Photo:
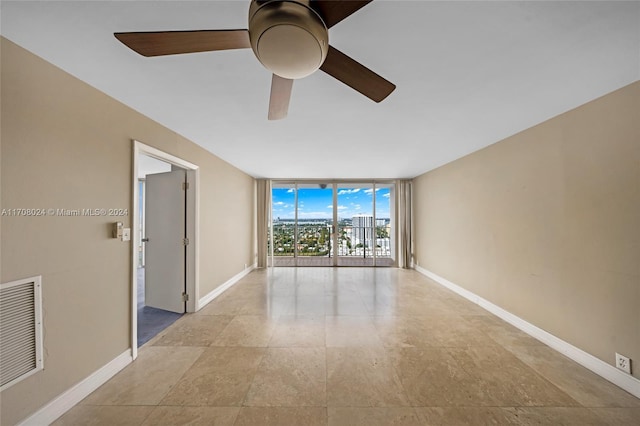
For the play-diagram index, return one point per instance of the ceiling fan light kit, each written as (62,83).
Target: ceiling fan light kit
(290,38)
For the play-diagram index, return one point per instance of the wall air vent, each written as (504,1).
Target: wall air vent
(20,330)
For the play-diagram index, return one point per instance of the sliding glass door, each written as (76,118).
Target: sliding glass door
(384,228)
(315,224)
(332,224)
(355,224)
(283,227)
(302,224)
(365,224)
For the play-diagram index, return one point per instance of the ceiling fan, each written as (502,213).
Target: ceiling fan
(289,37)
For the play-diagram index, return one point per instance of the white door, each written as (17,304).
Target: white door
(164,241)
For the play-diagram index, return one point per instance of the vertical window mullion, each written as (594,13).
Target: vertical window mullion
(295,226)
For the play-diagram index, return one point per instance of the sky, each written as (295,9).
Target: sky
(317,203)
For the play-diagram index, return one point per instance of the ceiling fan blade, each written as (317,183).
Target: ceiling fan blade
(157,43)
(280,96)
(334,11)
(356,75)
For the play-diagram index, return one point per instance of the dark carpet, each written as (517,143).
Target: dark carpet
(151,321)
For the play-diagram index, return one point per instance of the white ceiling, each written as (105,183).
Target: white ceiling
(467,73)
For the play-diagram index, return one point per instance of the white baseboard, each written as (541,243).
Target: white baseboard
(601,368)
(224,287)
(65,401)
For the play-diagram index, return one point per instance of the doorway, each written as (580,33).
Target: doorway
(164,211)
(164,241)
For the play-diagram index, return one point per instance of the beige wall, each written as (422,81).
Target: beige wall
(67,145)
(546,224)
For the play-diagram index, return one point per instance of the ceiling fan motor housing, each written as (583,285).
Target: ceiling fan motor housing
(288,37)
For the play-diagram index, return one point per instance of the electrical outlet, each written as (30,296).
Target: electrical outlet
(623,363)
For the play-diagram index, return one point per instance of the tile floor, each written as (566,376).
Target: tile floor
(350,346)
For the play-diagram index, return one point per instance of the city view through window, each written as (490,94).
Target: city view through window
(323,224)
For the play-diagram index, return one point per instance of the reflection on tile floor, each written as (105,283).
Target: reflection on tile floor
(350,346)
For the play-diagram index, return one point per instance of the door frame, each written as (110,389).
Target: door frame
(193,227)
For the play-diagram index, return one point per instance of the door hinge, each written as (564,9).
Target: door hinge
(185,185)
(185,297)
(185,241)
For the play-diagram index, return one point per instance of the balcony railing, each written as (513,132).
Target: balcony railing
(317,242)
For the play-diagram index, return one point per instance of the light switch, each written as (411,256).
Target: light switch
(126,234)
(117,230)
